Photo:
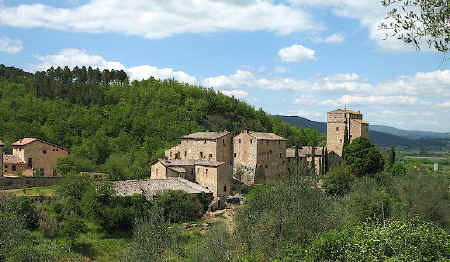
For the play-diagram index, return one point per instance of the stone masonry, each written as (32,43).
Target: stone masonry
(342,127)
(259,157)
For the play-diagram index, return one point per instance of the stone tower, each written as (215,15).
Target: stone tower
(342,127)
(1,157)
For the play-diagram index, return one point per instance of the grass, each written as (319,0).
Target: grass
(427,163)
(31,192)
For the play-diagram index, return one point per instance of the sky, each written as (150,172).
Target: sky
(289,57)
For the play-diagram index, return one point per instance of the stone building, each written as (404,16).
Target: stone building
(315,157)
(259,157)
(32,156)
(215,146)
(213,175)
(151,188)
(342,127)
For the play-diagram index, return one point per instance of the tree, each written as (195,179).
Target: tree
(363,157)
(391,157)
(338,180)
(179,206)
(416,20)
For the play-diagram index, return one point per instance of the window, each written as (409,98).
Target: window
(14,168)
(210,155)
(224,188)
(337,128)
(198,170)
(223,141)
(279,142)
(42,171)
(207,171)
(185,153)
(44,152)
(201,154)
(340,140)
(270,151)
(251,141)
(235,155)
(280,155)
(6,166)
(266,166)
(170,154)
(204,142)
(239,140)
(30,163)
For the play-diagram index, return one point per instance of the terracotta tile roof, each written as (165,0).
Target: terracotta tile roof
(153,187)
(189,162)
(12,159)
(206,135)
(265,136)
(28,140)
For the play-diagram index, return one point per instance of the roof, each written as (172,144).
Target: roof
(152,187)
(206,135)
(265,136)
(189,162)
(178,169)
(28,140)
(12,159)
(345,111)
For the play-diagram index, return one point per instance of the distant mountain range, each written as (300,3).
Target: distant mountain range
(383,135)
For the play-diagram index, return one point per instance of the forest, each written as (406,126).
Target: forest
(369,206)
(110,125)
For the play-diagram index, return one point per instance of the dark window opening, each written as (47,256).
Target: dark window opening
(280,155)
(14,168)
(6,166)
(251,141)
(41,171)
(207,171)
(337,128)
(210,155)
(235,154)
(223,141)
(44,152)
(266,166)
(224,188)
(239,140)
(201,154)
(185,153)
(204,141)
(30,163)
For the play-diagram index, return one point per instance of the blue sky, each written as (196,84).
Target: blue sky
(291,57)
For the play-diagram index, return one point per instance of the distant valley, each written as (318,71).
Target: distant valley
(385,136)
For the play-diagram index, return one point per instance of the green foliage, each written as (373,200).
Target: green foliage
(152,236)
(395,241)
(178,206)
(390,161)
(119,128)
(23,207)
(11,229)
(414,21)
(363,157)
(338,180)
(398,169)
(289,211)
(72,227)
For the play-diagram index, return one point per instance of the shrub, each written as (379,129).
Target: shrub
(363,157)
(178,206)
(398,169)
(23,207)
(338,180)
(395,241)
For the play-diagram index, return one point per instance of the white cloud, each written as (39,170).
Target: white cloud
(306,114)
(306,100)
(281,69)
(159,19)
(10,46)
(335,83)
(374,100)
(334,38)
(235,93)
(78,57)
(296,53)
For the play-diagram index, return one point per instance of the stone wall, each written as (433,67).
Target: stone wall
(7,183)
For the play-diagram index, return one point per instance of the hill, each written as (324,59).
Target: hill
(117,127)
(384,139)
(411,134)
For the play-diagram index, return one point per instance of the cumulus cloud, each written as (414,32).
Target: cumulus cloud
(159,19)
(10,46)
(335,83)
(296,53)
(334,38)
(72,57)
(374,100)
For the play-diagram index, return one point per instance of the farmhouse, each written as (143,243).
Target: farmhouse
(32,157)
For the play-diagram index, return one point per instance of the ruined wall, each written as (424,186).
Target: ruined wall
(39,156)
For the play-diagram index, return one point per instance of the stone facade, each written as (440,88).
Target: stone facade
(342,127)
(31,156)
(213,175)
(259,157)
(215,146)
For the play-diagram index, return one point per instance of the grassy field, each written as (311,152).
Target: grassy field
(427,162)
(31,192)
